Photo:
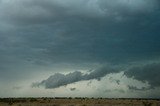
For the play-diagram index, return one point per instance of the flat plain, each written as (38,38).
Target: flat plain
(78,102)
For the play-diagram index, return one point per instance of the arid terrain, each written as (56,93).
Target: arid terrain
(77,102)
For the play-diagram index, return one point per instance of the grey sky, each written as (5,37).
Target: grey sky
(39,38)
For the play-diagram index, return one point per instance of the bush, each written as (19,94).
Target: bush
(147,104)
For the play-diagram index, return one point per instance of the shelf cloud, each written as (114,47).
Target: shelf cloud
(147,73)
(58,80)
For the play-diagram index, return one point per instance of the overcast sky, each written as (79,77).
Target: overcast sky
(87,48)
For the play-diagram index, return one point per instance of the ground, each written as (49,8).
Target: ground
(77,102)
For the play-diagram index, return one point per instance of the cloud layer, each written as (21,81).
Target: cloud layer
(58,80)
(147,73)
(101,31)
(38,33)
(59,36)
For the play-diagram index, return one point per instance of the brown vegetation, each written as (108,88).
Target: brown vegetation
(77,102)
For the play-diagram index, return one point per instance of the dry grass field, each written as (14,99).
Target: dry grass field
(77,102)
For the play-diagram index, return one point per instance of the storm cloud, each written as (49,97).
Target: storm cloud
(58,80)
(147,73)
(101,31)
(60,36)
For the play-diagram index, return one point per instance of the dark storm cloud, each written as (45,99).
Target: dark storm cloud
(72,89)
(38,33)
(58,80)
(147,73)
